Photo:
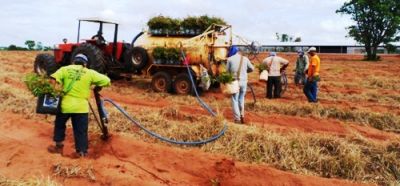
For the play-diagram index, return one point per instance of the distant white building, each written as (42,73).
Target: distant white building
(331,48)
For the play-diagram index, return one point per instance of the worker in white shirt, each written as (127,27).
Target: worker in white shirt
(275,65)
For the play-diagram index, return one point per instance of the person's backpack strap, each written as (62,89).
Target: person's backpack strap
(240,67)
(269,67)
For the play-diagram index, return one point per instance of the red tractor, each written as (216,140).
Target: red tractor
(111,58)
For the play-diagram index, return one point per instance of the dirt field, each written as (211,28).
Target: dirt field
(352,137)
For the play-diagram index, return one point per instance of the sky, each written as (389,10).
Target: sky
(49,21)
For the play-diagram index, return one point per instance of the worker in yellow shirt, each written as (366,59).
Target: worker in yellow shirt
(311,87)
(76,80)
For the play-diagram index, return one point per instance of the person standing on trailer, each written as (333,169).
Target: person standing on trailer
(275,65)
(77,79)
(239,65)
(311,87)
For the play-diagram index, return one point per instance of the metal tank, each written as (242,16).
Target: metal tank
(209,49)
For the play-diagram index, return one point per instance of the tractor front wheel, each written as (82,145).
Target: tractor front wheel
(45,64)
(161,82)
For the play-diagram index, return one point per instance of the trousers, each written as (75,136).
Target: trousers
(80,127)
(311,90)
(274,85)
(237,101)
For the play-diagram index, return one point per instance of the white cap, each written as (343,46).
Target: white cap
(81,57)
(312,49)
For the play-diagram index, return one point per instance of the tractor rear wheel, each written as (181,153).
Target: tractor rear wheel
(138,58)
(161,82)
(96,60)
(45,64)
(182,84)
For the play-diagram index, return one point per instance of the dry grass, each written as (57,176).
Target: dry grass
(382,121)
(381,83)
(327,156)
(371,96)
(28,182)
(353,158)
(74,171)
(16,101)
(162,122)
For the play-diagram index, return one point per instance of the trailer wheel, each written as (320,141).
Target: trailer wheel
(45,64)
(95,56)
(182,84)
(161,82)
(139,58)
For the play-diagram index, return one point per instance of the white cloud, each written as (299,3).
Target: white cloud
(330,26)
(49,21)
(108,13)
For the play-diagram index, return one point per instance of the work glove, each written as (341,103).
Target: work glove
(97,88)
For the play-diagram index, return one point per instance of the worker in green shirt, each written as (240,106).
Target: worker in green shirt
(76,81)
(301,68)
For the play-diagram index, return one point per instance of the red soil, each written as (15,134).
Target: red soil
(124,161)
(268,121)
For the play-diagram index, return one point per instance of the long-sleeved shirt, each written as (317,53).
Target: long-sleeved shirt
(302,64)
(233,66)
(274,64)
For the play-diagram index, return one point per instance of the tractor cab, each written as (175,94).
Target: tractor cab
(98,38)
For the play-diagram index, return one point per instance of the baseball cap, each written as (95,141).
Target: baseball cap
(233,50)
(81,58)
(312,49)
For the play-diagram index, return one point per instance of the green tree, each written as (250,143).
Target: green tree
(282,37)
(47,48)
(15,47)
(376,22)
(12,47)
(391,48)
(30,44)
(39,46)
(286,38)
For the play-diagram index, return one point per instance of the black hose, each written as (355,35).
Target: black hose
(135,38)
(169,140)
(158,136)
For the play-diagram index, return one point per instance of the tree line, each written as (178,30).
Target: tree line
(287,38)
(29,45)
